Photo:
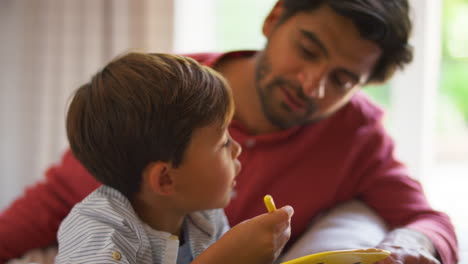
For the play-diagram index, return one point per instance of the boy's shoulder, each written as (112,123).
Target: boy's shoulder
(204,228)
(209,220)
(103,225)
(106,205)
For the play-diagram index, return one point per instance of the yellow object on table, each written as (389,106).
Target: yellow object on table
(352,256)
(362,256)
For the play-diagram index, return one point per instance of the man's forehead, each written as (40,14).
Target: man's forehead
(337,34)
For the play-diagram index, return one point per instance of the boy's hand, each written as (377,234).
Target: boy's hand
(257,240)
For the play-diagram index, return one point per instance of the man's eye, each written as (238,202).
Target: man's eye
(307,53)
(343,83)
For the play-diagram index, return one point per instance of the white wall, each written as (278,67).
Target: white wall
(48,48)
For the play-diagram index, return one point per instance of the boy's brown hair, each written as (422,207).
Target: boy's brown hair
(142,108)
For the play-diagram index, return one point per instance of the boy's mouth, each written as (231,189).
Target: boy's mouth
(233,193)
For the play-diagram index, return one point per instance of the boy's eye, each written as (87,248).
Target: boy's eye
(227,143)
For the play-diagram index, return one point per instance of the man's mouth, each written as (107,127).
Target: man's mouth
(292,101)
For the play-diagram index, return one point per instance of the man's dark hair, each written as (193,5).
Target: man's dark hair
(385,22)
(143,108)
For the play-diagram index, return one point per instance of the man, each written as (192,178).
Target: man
(309,137)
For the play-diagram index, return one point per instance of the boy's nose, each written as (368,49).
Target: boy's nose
(236,149)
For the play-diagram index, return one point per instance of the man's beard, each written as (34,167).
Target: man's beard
(265,93)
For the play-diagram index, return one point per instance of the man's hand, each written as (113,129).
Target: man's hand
(258,240)
(408,247)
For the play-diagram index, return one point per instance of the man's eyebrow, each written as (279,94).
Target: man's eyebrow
(312,37)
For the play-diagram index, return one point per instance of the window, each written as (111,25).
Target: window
(446,184)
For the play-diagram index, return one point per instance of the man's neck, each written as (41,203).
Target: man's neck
(240,73)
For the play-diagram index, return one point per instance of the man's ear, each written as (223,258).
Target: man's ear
(272,19)
(159,179)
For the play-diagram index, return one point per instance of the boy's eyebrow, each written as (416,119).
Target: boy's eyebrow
(313,38)
(222,126)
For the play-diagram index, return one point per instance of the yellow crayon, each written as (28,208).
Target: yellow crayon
(362,256)
(269,203)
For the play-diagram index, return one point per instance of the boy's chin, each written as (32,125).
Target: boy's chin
(228,199)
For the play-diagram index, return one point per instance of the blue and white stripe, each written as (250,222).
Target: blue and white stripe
(104,228)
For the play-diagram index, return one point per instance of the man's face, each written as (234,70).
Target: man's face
(311,66)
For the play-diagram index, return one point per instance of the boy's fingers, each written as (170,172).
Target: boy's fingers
(284,213)
(288,209)
(281,218)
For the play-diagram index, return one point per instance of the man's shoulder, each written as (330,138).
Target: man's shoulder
(361,111)
(205,58)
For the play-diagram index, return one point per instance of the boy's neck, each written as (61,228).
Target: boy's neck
(159,215)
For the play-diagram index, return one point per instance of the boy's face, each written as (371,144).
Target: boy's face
(312,65)
(206,177)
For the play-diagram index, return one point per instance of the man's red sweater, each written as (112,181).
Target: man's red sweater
(312,168)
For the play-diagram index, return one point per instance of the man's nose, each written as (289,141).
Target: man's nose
(313,81)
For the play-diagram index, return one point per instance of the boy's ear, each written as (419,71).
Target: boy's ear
(159,179)
(272,19)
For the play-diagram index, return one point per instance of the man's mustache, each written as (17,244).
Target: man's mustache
(296,89)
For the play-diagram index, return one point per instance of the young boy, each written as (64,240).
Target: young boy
(153,130)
